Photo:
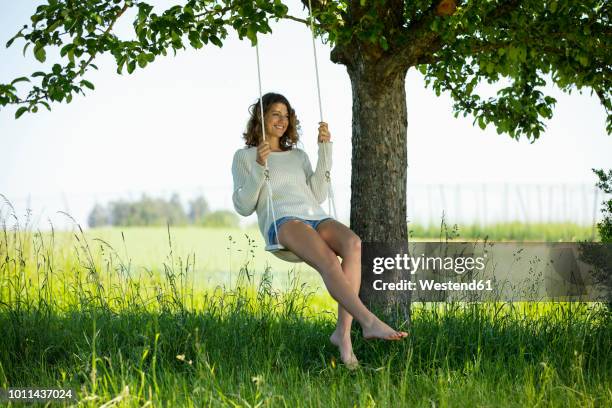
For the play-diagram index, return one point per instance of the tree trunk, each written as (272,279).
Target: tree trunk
(378,182)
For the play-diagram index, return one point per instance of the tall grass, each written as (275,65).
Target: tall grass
(74,317)
(507,231)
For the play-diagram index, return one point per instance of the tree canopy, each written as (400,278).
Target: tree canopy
(456,44)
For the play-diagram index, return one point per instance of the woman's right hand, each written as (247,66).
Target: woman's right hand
(263,151)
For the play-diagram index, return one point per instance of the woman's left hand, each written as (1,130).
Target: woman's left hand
(324,135)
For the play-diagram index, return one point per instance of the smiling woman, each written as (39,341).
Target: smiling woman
(280,119)
(275,179)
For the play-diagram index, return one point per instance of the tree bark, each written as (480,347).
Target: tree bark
(379,161)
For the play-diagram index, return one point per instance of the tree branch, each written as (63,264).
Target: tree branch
(418,40)
(316,5)
(220,11)
(428,54)
(299,20)
(108,30)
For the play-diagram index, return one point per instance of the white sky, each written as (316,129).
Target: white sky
(175,125)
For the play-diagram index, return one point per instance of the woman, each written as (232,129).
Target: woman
(303,227)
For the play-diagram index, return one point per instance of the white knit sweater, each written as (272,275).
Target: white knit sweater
(296,189)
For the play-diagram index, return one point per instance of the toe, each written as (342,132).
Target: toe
(353,365)
(400,335)
(392,337)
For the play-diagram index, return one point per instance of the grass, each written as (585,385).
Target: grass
(507,231)
(141,329)
(220,252)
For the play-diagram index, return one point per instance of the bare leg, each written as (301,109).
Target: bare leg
(306,243)
(347,245)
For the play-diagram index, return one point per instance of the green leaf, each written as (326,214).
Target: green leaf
(20,79)
(194,39)
(435,25)
(215,40)
(20,112)
(482,123)
(512,53)
(131,66)
(39,53)
(120,63)
(553,6)
(142,61)
(87,84)
(251,35)
(469,88)
(53,26)
(10,42)
(65,49)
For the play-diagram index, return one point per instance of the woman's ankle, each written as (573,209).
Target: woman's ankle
(342,331)
(368,321)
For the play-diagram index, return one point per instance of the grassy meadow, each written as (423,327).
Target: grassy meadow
(138,317)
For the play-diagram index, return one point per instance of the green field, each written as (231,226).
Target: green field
(507,231)
(192,318)
(215,256)
(218,254)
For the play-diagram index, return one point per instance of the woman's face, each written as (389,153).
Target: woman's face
(277,120)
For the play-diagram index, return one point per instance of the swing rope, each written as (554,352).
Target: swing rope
(314,51)
(331,203)
(270,201)
(263,133)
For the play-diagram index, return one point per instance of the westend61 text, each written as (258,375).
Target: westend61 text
(404,284)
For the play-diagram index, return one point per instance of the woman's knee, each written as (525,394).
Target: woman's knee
(353,244)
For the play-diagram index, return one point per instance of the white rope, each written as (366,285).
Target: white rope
(330,199)
(263,133)
(314,51)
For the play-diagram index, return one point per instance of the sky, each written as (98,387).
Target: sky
(174,126)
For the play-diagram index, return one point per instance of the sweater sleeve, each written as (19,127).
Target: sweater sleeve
(317,180)
(248,180)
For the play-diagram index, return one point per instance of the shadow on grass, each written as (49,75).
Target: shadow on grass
(241,340)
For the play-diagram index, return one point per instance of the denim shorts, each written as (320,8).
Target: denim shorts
(272,233)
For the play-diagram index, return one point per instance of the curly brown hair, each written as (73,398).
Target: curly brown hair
(253,135)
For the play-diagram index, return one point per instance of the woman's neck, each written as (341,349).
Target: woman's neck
(274,144)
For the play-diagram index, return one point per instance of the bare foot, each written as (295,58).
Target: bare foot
(346,349)
(380,330)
